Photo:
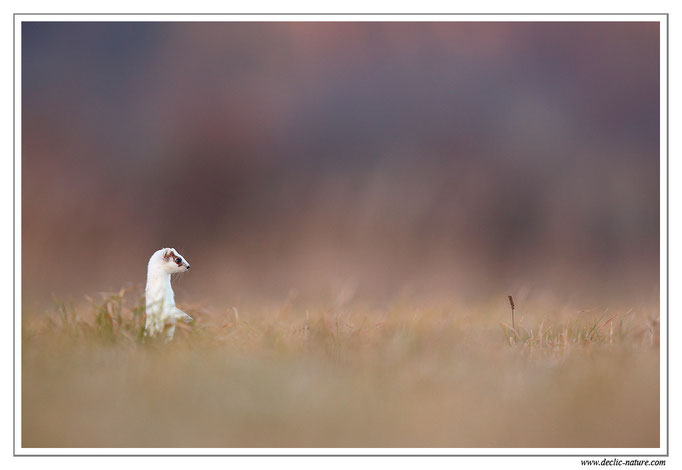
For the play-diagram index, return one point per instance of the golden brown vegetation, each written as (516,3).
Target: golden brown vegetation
(339,374)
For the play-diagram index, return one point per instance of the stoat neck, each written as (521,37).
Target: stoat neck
(157,277)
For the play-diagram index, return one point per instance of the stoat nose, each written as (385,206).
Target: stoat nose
(188,266)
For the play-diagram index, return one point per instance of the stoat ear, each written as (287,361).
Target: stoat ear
(167,252)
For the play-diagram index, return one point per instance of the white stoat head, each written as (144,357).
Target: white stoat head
(169,261)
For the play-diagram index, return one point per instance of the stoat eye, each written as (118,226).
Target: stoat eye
(177,260)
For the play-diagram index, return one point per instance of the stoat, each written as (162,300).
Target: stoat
(160,302)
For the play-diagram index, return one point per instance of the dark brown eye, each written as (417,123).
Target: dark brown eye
(177,260)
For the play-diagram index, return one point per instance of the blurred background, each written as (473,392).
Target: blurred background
(469,160)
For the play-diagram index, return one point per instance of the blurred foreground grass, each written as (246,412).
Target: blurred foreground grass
(341,374)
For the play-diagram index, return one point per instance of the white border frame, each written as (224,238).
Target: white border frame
(661,451)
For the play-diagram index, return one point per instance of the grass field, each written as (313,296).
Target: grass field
(341,373)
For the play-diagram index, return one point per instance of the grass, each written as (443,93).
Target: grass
(330,374)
